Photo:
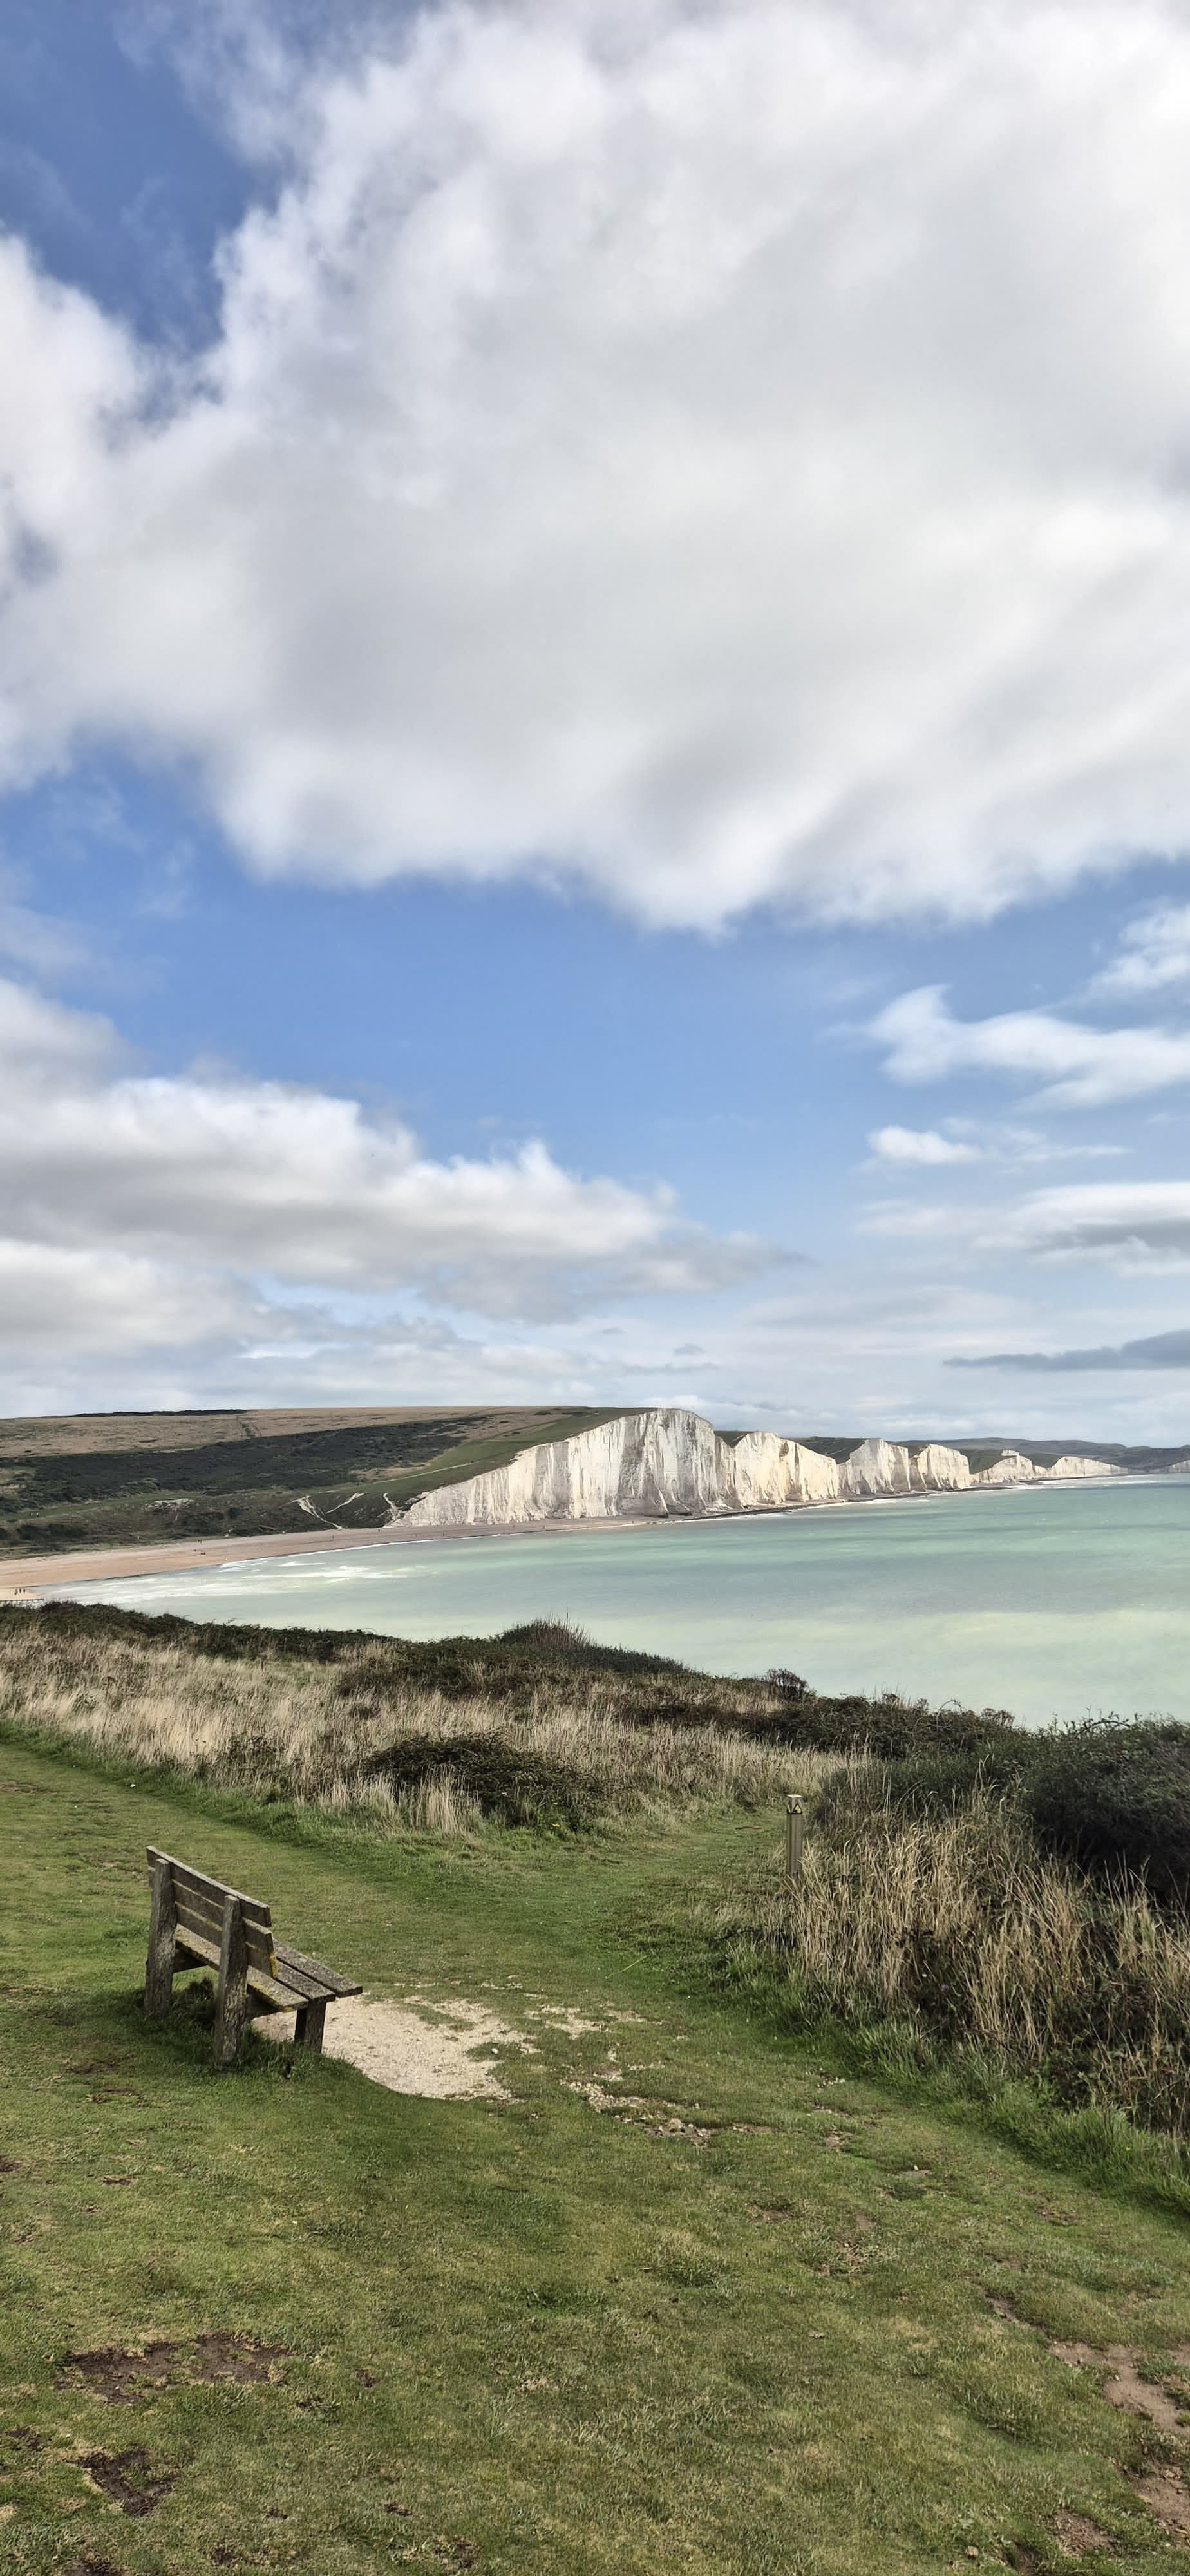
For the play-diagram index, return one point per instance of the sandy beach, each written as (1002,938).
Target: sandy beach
(25,1577)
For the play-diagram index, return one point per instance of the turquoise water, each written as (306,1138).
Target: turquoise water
(1052,1601)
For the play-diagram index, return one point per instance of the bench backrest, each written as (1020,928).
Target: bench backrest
(200,1905)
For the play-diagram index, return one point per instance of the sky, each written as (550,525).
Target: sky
(595,708)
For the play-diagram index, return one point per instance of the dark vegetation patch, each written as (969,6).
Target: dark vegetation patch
(516,1788)
(122,2376)
(129,2478)
(457,1666)
(349,1477)
(1116,1798)
(1111,1795)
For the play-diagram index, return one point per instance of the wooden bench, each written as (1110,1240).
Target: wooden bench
(216,1927)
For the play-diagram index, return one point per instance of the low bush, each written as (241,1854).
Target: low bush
(1115,1797)
(889,1728)
(955,1932)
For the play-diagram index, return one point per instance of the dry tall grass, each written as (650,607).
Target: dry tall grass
(350,1741)
(958,1929)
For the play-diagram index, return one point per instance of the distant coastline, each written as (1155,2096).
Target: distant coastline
(36,1578)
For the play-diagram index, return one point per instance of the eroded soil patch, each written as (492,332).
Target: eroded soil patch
(121,2376)
(129,2479)
(1167,2496)
(1124,2387)
(1077,2535)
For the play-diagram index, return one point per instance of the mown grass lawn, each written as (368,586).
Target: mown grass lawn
(815,2337)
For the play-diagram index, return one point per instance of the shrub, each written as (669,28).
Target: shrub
(1115,1797)
(888,1728)
(957,1933)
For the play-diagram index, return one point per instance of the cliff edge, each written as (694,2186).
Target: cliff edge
(666,1464)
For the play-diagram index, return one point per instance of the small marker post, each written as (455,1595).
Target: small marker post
(793,1838)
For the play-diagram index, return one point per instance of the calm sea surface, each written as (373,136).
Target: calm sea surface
(1052,1602)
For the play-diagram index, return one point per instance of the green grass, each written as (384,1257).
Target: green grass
(527,2336)
(53,1498)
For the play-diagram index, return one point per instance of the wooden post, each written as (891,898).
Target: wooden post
(308,2025)
(163,1934)
(793,1839)
(233,1985)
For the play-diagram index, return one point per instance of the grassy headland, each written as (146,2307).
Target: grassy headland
(127,1480)
(706,2290)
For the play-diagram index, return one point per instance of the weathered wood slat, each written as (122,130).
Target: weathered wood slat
(191,1909)
(212,1888)
(163,1934)
(233,1986)
(285,1998)
(299,1962)
(205,1919)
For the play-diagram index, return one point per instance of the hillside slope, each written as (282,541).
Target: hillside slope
(127,1479)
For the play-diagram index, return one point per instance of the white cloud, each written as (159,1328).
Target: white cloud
(56,1301)
(167,1210)
(920,1145)
(1076,1066)
(1154,954)
(1136,1225)
(1133,1226)
(712,452)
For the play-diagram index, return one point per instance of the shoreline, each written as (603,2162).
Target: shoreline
(37,1578)
(28,1577)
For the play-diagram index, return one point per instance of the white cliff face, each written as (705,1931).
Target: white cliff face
(1011,1469)
(937,1470)
(876,1467)
(642,1465)
(768,1472)
(660,1464)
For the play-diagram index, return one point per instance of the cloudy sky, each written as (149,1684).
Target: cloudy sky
(595,707)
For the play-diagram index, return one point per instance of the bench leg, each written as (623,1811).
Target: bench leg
(308,2026)
(163,1937)
(233,1985)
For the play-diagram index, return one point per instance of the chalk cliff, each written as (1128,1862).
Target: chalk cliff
(876,1467)
(663,1464)
(767,1472)
(1011,1469)
(937,1470)
(641,1465)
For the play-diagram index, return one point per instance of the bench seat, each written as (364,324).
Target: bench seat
(216,1926)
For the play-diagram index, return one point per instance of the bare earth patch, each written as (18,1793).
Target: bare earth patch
(123,2376)
(129,2479)
(1123,2386)
(1166,2494)
(1076,2534)
(442,2051)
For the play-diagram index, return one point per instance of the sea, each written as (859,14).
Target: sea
(1055,1601)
